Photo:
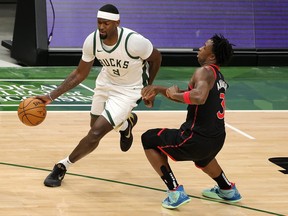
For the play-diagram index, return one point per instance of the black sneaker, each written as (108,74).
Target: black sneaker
(126,138)
(56,176)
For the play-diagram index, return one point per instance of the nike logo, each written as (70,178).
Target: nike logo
(129,132)
(99,50)
(60,177)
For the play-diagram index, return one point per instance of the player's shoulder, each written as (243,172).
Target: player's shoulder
(132,34)
(128,30)
(91,35)
(207,68)
(204,71)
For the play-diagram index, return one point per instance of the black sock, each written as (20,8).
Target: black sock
(222,181)
(169,178)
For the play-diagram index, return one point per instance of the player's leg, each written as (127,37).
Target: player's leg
(86,145)
(120,105)
(159,161)
(99,127)
(213,169)
(90,142)
(93,119)
(224,190)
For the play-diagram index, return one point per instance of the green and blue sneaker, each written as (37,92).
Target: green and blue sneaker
(176,198)
(231,195)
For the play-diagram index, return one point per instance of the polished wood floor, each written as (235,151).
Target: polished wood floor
(109,182)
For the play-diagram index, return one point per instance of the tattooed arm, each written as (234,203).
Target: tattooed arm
(73,79)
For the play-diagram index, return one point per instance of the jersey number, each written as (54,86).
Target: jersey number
(116,72)
(220,114)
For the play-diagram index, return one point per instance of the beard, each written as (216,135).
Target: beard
(103,36)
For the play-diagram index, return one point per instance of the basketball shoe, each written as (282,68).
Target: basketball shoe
(176,198)
(55,178)
(231,195)
(126,138)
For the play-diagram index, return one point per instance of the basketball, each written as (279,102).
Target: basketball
(32,111)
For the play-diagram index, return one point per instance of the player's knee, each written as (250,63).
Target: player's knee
(149,139)
(94,136)
(145,138)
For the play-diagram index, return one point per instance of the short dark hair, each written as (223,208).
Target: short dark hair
(109,8)
(222,49)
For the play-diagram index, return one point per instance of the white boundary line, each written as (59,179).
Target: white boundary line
(239,131)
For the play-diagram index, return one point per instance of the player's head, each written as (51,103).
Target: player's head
(108,19)
(222,49)
(217,50)
(108,12)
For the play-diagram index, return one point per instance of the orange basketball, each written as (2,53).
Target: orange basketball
(32,111)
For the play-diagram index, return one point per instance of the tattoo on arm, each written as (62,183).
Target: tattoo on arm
(69,83)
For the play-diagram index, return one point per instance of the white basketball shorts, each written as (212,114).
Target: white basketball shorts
(114,102)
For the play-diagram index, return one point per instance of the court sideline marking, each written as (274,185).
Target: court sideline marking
(239,131)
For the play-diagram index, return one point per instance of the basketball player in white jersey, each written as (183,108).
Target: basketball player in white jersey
(129,62)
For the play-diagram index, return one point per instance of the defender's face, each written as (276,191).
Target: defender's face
(106,28)
(205,52)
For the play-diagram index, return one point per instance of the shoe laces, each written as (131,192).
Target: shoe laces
(173,196)
(60,169)
(215,189)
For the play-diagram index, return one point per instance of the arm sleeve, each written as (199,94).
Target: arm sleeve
(87,50)
(139,46)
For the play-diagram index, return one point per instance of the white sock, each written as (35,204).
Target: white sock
(66,162)
(124,126)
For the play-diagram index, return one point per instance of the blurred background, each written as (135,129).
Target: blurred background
(52,32)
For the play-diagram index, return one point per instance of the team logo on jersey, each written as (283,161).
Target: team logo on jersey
(111,62)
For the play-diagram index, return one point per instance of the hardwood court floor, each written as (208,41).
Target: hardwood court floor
(109,182)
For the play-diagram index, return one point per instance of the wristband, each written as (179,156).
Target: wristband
(186,97)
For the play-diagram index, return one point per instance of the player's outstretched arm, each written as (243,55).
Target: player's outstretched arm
(150,91)
(73,79)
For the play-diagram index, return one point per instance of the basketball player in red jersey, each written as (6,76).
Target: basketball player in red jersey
(202,135)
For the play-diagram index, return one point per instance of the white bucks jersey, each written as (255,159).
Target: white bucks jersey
(119,66)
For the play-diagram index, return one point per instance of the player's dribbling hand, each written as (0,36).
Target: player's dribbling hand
(45,98)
